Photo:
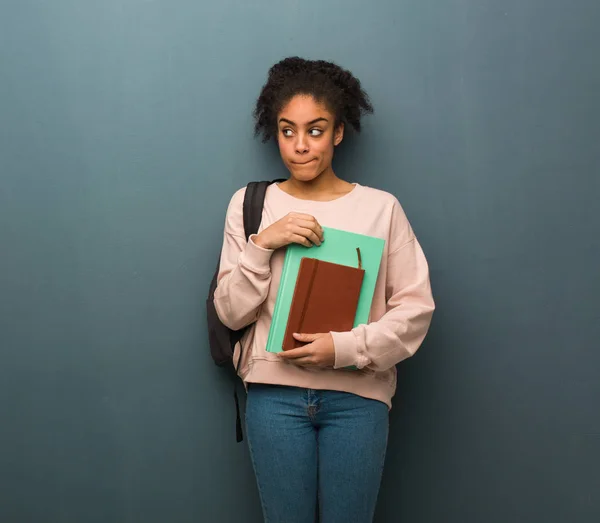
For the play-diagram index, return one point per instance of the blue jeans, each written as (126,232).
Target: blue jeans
(306,443)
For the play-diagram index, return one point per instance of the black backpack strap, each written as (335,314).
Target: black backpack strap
(254,201)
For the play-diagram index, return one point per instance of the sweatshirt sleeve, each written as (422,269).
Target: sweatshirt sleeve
(244,272)
(400,331)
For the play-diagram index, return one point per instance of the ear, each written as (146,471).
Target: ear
(338,135)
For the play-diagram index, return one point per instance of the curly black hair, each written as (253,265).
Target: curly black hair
(327,82)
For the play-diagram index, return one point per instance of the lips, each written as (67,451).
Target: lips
(304,163)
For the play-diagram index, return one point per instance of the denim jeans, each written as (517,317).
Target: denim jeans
(306,443)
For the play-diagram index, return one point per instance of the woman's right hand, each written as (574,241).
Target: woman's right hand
(303,229)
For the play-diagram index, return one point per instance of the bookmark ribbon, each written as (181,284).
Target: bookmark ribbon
(359,258)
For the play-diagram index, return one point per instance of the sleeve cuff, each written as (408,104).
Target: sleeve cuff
(346,351)
(256,258)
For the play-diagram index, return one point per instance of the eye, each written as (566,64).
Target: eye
(315,132)
(287,132)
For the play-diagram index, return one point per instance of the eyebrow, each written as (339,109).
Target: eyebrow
(312,122)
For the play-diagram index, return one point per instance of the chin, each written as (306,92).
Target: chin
(304,175)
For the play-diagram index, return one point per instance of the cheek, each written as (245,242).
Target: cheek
(325,149)
(284,148)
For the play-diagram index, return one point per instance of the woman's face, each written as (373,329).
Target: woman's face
(306,135)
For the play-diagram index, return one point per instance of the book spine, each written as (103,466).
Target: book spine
(278,303)
(307,300)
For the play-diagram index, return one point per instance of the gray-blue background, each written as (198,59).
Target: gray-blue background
(125,126)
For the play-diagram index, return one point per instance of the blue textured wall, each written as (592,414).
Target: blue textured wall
(125,126)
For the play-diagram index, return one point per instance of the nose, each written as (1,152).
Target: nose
(301,144)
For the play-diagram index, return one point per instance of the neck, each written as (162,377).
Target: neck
(324,187)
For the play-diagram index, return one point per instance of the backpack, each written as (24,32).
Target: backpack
(221,339)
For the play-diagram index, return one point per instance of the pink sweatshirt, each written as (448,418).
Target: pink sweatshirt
(402,305)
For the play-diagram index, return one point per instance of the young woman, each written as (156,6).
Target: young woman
(316,430)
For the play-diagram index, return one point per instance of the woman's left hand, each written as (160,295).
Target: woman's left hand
(319,351)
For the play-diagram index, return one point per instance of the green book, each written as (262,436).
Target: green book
(339,247)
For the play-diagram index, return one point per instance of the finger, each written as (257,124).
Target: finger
(315,228)
(298,357)
(308,338)
(307,233)
(309,222)
(294,354)
(312,236)
(296,238)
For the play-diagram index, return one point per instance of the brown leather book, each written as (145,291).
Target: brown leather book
(325,299)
